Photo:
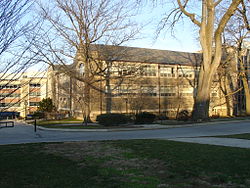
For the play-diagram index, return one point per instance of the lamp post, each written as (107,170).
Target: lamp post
(126,101)
(25,108)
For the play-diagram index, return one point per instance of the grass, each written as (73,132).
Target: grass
(74,124)
(80,126)
(57,122)
(77,124)
(133,164)
(177,122)
(239,136)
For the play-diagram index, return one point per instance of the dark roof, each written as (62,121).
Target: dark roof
(144,55)
(138,55)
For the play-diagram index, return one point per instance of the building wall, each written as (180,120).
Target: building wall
(164,89)
(22,92)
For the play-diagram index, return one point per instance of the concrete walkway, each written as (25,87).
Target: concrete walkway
(197,133)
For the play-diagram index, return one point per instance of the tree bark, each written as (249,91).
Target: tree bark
(245,84)
(202,98)
(211,43)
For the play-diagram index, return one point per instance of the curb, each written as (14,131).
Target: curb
(102,130)
(157,126)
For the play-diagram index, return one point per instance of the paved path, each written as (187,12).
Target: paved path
(22,133)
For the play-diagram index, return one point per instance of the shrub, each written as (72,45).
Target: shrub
(144,117)
(38,115)
(111,119)
(162,117)
(183,115)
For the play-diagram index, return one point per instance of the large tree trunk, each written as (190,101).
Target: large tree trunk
(244,78)
(87,79)
(87,105)
(202,98)
(247,93)
(211,43)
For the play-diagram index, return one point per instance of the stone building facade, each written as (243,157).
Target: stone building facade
(132,80)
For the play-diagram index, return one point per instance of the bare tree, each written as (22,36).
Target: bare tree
(73,30)
(15,59)
(235,35)
(210,37)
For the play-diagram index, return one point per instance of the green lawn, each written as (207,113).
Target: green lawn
(56,122)
(123,164)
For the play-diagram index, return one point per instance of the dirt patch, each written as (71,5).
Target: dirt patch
(129,167)
(78,151)
(109,156)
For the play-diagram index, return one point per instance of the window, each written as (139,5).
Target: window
(12,95)
(167,71)
(149,90)
(127,70)
(186,94)
(9,105)
(34,103)
(35,85)
(9,86)
(149,70)
(34,93)
(81,69)
(168,91)
(122,89)
(185,72)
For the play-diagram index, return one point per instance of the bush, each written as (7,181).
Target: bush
(162,117)
(144,117)
(38,115)
(183,115)
(112,119)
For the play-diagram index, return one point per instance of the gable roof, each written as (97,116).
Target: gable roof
(144,55)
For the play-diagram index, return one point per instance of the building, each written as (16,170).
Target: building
(130,80)
(21,92)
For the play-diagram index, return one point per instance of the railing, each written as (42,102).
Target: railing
(6,124)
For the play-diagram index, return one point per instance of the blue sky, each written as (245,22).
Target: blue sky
(184,39)
(185,34)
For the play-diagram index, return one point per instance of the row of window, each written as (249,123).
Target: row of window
(12,95)
(9,104)
(147,70)
(9,86)
(183,90)
(16,86)
(35,85)
(3,104)
(147,89)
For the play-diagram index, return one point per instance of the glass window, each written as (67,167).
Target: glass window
(185,72)
(149,90)
(168,91)
(34,103)
(167,71)
(34,94)
(149,70)
(35,85)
